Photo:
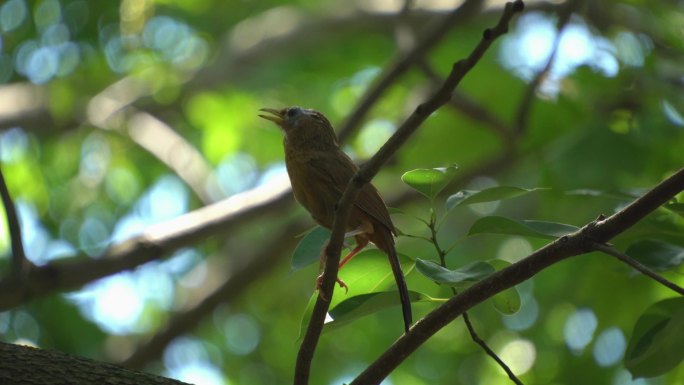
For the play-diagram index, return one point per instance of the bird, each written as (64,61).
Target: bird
(319,172)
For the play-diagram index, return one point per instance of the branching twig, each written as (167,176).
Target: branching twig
(442,96)
(441,253)
(19,262)
(579,242)
(639,267)
(403,64)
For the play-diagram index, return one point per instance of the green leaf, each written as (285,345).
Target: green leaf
(537,229)
(362,305)
(656,255)
(677,208)
(508,301)
(657,339)
(308,250)
(429,181)
(461,277)
(498,193)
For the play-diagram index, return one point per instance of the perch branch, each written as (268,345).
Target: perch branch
(368,170)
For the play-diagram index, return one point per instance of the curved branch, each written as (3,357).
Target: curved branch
(368,170)
(580,242)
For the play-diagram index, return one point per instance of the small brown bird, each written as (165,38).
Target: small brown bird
(319,173)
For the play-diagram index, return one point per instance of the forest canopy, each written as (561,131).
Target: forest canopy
(160,233)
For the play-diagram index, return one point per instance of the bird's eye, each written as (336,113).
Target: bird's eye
(292,112)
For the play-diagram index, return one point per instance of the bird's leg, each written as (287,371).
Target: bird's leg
(361,242)
(359,247)
(319,279)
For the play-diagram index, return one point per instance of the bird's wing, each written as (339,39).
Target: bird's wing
(368,200)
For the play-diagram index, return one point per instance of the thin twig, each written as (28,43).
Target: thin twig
(577,243)
(370,169)
(19,262)
(639,267)
(476,338)
(466,318)
(525,107)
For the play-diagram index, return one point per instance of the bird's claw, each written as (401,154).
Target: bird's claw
(319,283)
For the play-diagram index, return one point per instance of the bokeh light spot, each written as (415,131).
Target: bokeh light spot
(242,334)
(12,14)
(579,329)
(520,355)
(514,249)
(609,347)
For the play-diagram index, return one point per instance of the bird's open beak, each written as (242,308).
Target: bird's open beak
(276,116)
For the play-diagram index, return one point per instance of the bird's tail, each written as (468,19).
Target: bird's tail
(386,243)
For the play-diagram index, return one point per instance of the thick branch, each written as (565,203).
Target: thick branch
(156,242)
(27,365)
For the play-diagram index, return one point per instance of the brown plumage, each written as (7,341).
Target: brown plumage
(319,173)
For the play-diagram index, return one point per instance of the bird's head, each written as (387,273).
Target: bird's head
(302,125)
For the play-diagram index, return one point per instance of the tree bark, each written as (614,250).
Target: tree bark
(24,365)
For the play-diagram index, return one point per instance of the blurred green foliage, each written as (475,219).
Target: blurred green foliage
(86,170)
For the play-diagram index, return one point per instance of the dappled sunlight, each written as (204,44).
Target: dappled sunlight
(189,360)
(527,50)
(520,355)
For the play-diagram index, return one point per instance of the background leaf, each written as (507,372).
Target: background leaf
(309,248)
(429,182)
(656,255)
(657,339)
(508,301)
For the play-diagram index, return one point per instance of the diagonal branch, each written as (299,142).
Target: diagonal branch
(639,267)
(577,243)
(442,96)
